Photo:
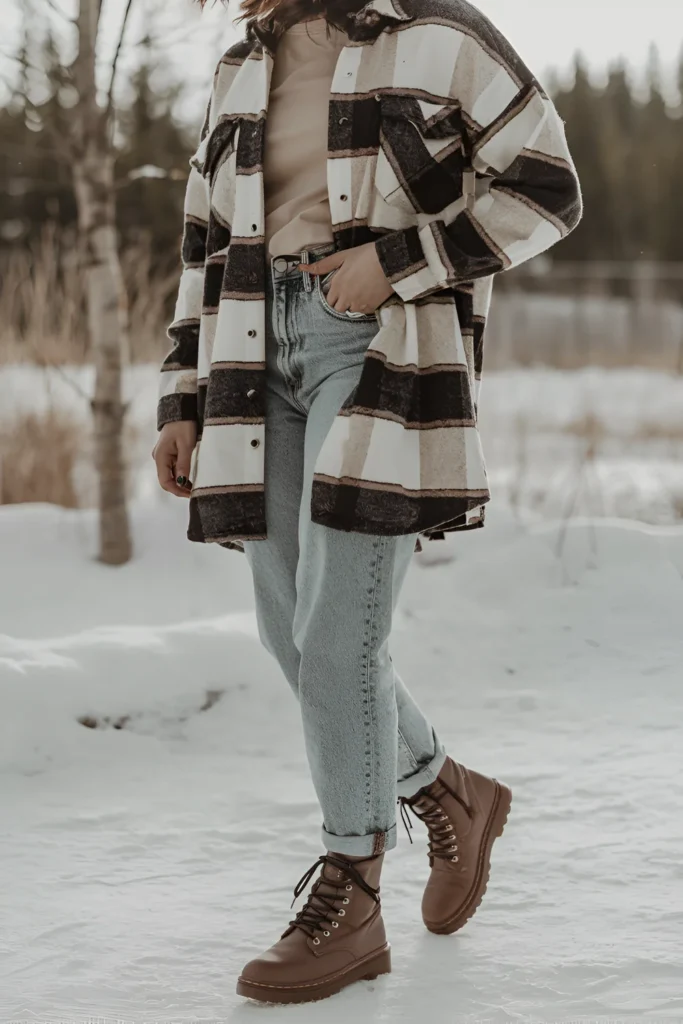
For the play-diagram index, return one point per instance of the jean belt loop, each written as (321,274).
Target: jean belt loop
(308,283)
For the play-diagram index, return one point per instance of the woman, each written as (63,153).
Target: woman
(362,175)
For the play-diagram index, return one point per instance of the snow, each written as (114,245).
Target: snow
(596,442)
(144,865)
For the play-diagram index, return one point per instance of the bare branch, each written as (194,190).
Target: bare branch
(22,61)
(49,364)
(112,83)
(54,6)
(171,36)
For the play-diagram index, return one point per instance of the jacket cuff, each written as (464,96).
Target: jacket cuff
(405,265)
(173,408)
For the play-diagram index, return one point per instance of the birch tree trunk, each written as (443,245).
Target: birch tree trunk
(93,174)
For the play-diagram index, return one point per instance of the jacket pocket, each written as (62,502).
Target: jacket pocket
(216,148)
(422,156)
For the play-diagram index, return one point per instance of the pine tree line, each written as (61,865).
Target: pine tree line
(629,154)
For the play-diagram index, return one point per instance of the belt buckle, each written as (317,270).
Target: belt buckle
(308,281)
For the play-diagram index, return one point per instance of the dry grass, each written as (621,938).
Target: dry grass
(92,721)
(42,305)
(38,455)
(592,427)
(150,305)
(573,330)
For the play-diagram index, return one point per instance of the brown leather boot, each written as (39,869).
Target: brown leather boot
(464,813)
(337,938)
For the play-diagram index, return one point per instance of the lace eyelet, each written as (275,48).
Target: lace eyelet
(316,942)
(349,888)
(341,913)
(346,900)
(444,817)
(455,859)
(326,934)
(335,924)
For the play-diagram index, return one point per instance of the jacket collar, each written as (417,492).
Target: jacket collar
(371,12)
(366,23)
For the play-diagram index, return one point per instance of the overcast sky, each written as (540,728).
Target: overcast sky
(546,32)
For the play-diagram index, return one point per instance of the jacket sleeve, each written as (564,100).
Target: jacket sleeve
(524,196)
(178,385)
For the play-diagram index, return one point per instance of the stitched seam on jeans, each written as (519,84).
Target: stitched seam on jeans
(367,640)
(408,749)
(379,547)
(294,349)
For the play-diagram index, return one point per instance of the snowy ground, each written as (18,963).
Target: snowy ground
(593,442)
(142,866)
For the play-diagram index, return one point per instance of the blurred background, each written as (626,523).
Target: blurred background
(582,405)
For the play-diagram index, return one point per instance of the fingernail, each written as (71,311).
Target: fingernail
(181,481)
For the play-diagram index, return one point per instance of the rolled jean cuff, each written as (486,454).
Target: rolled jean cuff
(360,846)
(425,776)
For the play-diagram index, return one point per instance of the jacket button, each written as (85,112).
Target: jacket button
(250,394)
(343,198)
(255,442)
(251,333)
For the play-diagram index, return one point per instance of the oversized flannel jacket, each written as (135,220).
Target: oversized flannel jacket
(447,153)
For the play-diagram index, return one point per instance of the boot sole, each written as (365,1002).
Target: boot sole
(365,970)
(494,829)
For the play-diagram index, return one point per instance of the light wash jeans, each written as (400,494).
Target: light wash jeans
(325,598)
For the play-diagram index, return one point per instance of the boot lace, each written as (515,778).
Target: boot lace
(443,842)
(322,906)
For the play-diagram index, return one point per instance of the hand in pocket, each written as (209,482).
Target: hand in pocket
(355,279)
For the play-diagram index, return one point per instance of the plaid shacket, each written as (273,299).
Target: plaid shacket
(446,152)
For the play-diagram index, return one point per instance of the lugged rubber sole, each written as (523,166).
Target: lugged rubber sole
(494,829)
(365,970)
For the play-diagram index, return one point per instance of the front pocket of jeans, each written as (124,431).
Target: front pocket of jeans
(349,317)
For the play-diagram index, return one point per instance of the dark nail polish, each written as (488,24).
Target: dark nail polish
(181,481)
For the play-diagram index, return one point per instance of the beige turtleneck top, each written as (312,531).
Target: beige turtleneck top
(295,162)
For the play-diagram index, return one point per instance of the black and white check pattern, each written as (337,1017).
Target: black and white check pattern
(446,152)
